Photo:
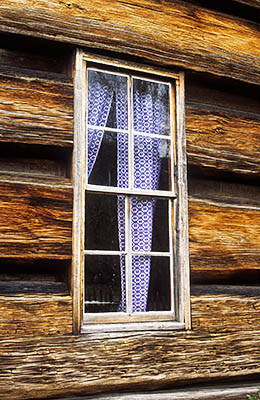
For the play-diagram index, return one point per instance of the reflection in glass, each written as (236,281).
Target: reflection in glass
(149,224)
(160,241)
(151,112)
(159,298)
(151,163)
(102,284)
(109,160)
(107,99)
(101,222)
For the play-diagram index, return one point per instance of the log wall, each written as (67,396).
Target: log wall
(220,56)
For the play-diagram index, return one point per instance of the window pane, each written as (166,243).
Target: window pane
(103,286)
(107,99)
(107,158)
(152,163)
(151,112)
(160,240)
(150,284)
(159,298)
(104,222)
(149,224)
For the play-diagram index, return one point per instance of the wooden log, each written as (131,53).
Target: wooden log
(251,3)
(196,392)
(32,167)
(35,111)
(221,92)
(50,63)
(223,138)
(36,314)
(38,367)
(35,221)
(168,33)
(226,312)
(223,231)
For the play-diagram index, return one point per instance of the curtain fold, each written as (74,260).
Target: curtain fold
(99,104)
(148,117)
(147,113)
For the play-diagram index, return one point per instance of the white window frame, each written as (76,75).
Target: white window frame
(178,195)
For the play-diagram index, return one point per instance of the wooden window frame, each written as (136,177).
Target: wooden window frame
(162,320)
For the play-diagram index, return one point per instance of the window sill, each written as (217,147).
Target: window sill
(132,326)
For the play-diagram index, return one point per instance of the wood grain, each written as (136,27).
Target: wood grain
(35,111)
(226,312)
(17,59)
(222,138)
(35,221)
(251,3)
(223,238)
(224,231)
(168,33)
(35,315)
(195,392)
(38,367)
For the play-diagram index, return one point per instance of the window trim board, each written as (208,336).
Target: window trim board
(181,214)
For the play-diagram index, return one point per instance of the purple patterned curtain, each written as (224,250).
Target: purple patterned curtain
(99,104)
(147,115)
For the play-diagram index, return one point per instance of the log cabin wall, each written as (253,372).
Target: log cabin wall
(219,52)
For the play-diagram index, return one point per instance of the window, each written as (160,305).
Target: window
(130,257)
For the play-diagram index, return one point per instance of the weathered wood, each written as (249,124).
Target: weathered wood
(79,192)
(35,221)
(72,366)
(35,315)
(214,392)
(38,62)
(251,3)
(223,138)
(34,110)
(32,167)
(224,231)
(221,92)
(226,312)
(169,33)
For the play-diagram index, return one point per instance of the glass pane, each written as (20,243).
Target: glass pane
(160,241)
(107,158)
(103,284)
(152,163)
(149,224)
(104,222)
(159,298)
(107,99)
(151,107)
(150,284)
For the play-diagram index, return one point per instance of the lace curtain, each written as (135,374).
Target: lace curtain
(148,117)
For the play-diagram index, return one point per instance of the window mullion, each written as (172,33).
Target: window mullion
(128,260)
(130,137)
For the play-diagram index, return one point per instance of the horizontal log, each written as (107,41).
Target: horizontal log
(223,138)
(251,3)
(221,92)
(216,392)
(226,312)
(32,167)
(168,33)
(35,315)
(50,63)
(35,221)
(35,111)
(224,227)
(38,367)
